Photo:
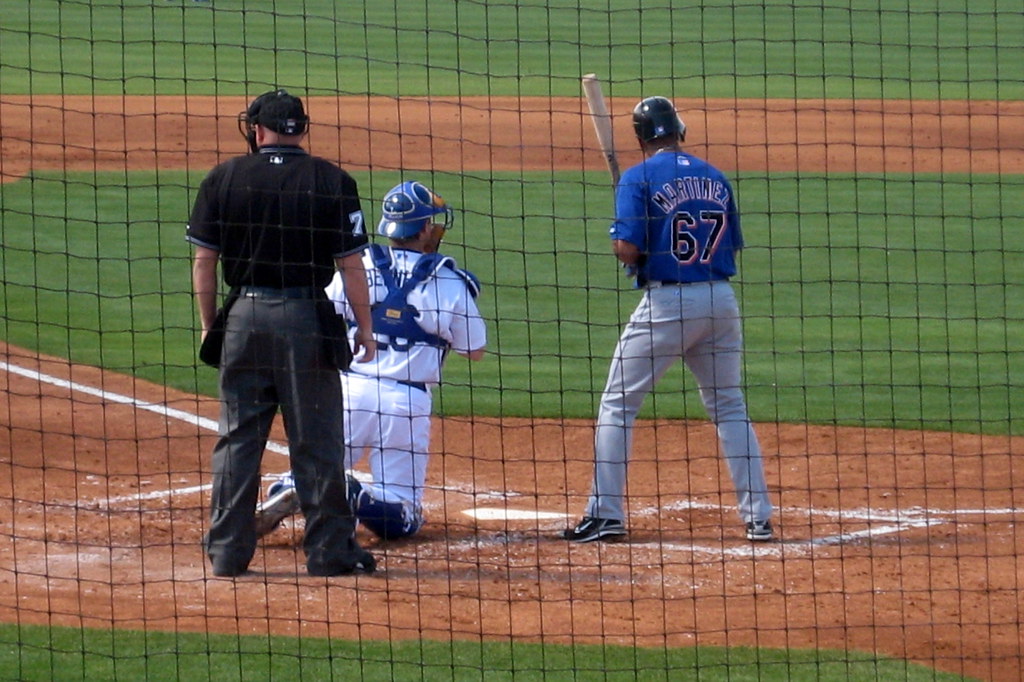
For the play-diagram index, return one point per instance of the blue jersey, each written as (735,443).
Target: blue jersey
(681,213)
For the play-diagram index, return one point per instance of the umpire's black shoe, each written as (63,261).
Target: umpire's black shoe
(227,567)
(592,528)
(361,562)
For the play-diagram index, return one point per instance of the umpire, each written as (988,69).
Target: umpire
(279,221)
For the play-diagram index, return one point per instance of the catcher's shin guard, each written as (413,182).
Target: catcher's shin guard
(387,520)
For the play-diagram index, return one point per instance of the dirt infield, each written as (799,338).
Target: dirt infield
(50,132)
(905,543)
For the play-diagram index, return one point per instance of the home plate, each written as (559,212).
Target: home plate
(504,514)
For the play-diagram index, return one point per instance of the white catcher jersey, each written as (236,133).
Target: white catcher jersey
(446,308)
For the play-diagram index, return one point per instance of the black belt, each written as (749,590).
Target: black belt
(418,385)
(412,384)
(271,292)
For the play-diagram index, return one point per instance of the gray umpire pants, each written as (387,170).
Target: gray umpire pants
(273,357)
(699,323)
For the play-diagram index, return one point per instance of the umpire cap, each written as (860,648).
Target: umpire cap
(279,111)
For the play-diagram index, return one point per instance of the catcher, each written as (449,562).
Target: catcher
(422,305)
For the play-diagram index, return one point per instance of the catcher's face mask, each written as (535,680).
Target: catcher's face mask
(409,207)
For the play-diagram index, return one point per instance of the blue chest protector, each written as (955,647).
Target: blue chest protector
(394,317)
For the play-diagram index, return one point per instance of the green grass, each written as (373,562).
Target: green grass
(853,48)
(36,653)
(868,300)
(891,300)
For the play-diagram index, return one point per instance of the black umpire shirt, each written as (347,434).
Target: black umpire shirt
(279,218)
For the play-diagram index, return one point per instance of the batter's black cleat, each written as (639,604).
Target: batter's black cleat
(760,531)
(592,528)
(282,504)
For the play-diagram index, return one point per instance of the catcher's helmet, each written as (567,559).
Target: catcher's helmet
(656,117)
(408,208)
(276,110)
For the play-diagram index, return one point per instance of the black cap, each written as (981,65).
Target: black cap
(279,111)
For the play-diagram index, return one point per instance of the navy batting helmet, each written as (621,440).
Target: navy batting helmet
(408,208)
(656,117)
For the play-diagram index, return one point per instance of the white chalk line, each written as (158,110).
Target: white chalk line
(780,548)
(904,514)
(902,520)
(155,495)
(110,396)
(117,398)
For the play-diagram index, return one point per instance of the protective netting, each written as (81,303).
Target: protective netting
(874,150)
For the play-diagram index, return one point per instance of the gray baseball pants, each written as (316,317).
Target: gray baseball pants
(700,324)
(273,357)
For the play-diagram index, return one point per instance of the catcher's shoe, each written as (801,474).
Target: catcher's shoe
(592,528)
(760,531)
(282,503)
(355,489)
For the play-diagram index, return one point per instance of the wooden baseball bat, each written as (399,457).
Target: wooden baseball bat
(602,123)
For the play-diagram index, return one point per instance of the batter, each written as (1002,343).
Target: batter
(677,230)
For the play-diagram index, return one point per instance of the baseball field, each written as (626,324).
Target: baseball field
(877,152)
